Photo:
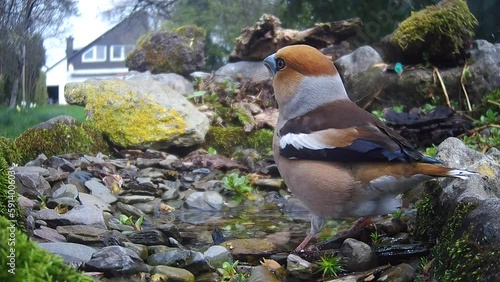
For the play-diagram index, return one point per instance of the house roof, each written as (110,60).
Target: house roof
(134,15)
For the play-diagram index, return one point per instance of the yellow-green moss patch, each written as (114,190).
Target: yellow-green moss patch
(229,139)
(129,119)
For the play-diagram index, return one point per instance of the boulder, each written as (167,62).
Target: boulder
(175,81)
(139,114)
(179,51)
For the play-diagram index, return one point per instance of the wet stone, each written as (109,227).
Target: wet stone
(401,273)
(47,234)
(299,268)
(78,251)
(217,255)
(207,201)
(148,237)
(170,230)
(275,183)
(170,194)
(206,185)
(171,257)
(148,207)
(82,233)
(141,250)
(174,273)
(357,255)
(132,199)
(116,260)
(251,250)
(198,263)
(391,226)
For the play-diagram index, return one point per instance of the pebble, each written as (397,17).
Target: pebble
(116,261)
(207,201)
(174,273)
(357,255)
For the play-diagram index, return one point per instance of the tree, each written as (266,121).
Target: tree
(23,26)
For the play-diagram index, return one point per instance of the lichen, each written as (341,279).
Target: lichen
(31,263)
(60,139)
(130,120)
(230,139)
(447,22)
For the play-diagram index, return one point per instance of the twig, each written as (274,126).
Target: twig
(443,86)
(375,96)
(463,87)
(477,129)
(493,102)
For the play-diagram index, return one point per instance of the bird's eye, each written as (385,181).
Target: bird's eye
(280,64)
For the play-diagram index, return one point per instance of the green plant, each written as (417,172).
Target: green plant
(127,220)
(230,273)
(379,115)
(428,108)
(397,214)
(239,185)
(398,108)
(43,202)
(431,151)
(212,151)
(375,237)
(330,266)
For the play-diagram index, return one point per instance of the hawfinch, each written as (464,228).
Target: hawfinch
(338,159)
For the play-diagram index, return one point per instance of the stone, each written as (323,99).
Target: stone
(86,215)
(30,181)
(299,268)
(179,51)
(100,191)
(484,70)
(64,119)
(90,200)
(170,230)
(171,257)
(275,183)
(207,201)
(59,163)
(391,226)
(217,255)
(250,250)
(240,71)
(79,251)
(82,233)
(129,210)
(148,237)
(141,250)
(64,201)
(56,175)
(401,273)
(78,178)
(357,62)
(67,190)
(48,235)
(132,199)
(38,161)
(159,117)
(170,194)
(175,81)
(357,255)
(116,260)
(174,273)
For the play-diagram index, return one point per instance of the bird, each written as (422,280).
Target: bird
(338,159)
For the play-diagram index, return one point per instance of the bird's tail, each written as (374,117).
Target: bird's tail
(437,170)
(462,174)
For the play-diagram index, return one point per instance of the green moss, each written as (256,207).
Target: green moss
(429,221)
(128,119)
(9,151)
(448,22)
(9,204)
(191,32)
(60,139)
(229,139)
(31,263)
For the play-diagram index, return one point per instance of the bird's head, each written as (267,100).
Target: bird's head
(303,78)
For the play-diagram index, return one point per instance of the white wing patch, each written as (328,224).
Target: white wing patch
(303,140)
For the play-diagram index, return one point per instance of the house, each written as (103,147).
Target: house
(102,58)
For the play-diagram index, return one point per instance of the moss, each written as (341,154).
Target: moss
(9,151)
(127,119)
(228,140)
(448,22)
(191,32)
(31,263)
(9,204)
(60,139)
(429,221)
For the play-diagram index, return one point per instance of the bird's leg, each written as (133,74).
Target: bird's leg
(317,224)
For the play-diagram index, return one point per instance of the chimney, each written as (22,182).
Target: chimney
(69,46)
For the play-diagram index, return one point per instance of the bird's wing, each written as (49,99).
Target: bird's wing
(341,131)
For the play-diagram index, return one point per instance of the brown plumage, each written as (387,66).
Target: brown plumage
(338,159)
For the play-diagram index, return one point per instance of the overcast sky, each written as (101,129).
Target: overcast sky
(85,28)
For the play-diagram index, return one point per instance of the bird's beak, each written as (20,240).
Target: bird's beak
(270,63)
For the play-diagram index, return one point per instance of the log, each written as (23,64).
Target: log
(425,130)
(267,36)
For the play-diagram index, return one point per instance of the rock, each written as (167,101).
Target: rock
(484,69)
(400,273)
(177,82)
(276,183)
(64,201)
(217,255)
(67,120)
(129,210)
(133,199)
(56,175)
(171,257)
(357,62)
(141,250)
(358,256)
(67,190)
(38,161)
(173,273)
(170,194)
(78,178)
(261,273)
(148,237)
(170,230)
(483,223)
(87,215)
(82,233)
(58,162)
(201,159)
(158,117)
(239,71)
(116,260)
(299,268)
(89,200)
(48,235)
(206,201)
(100,191)
(268,118)
(179,51)
(30,181)
(391,226)
(251,250)
(78,251)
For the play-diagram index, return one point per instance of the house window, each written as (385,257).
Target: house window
(119,52)
(95,54)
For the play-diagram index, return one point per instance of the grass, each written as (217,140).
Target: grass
(14,122)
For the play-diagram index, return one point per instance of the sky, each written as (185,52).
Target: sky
(85,29)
